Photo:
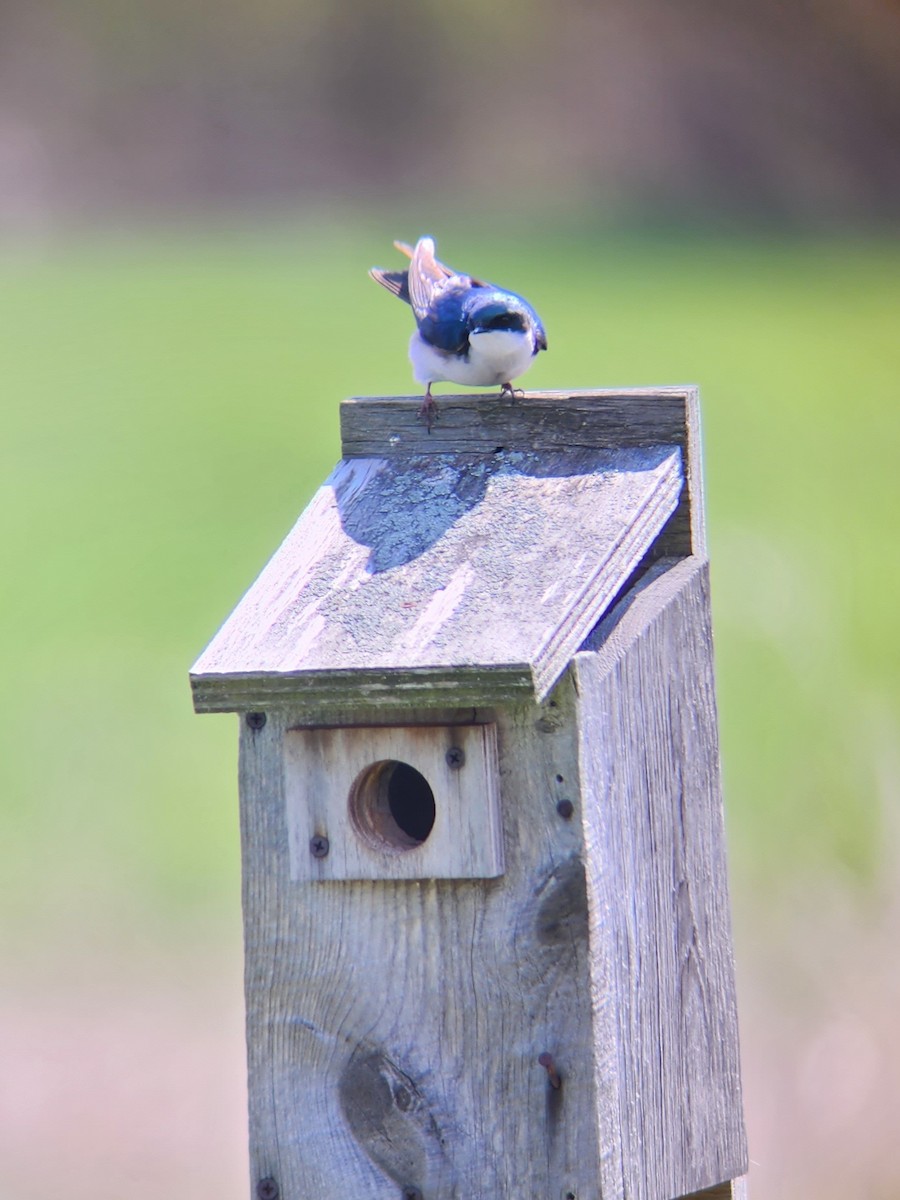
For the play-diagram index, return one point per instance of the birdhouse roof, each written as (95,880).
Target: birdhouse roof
(466,565)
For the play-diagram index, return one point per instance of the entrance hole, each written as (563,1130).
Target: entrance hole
(392,805)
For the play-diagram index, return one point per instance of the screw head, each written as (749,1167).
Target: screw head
(256,720)
(455,758)
(319,845)
(565,808)
(267,1189)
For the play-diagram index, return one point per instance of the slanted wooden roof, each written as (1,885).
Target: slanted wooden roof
(463,566)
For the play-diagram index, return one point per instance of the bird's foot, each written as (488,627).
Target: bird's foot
(509,392)
(429,410)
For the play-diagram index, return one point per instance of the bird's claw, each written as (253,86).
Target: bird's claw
(429,410)
(507,391)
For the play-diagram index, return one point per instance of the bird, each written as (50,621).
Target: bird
(467,331)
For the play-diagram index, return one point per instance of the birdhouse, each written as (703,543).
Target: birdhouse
(487,931)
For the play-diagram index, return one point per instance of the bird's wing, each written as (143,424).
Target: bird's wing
(440,297)
(409,251)
(427,277)
(396,282)
(431,272)
(445,323)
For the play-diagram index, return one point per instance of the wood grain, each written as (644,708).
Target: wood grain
(394,1027)
(732,1189)
(427,577)
(321,767)
(667,1058)
(388,426)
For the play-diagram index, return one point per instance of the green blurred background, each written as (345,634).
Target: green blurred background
(189,200)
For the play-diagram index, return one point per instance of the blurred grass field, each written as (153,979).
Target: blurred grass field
(169,406)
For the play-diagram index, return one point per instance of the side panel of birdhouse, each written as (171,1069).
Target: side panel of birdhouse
(667,1039)
(424,1038)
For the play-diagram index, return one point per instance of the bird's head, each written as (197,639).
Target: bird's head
(497,311)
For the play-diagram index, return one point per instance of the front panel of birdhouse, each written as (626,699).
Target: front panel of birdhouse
(407,802)
(397,1021)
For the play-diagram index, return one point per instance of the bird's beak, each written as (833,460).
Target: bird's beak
(540,340)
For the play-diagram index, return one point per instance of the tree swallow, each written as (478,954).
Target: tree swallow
(467,331)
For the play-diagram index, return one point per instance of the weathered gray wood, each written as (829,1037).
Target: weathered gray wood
(329,691)
(668,1081)
(321,766)
(396,1024)
(733,1189)
(388,426)
(394,1028)
(647,573)
(373,426)
(427,576)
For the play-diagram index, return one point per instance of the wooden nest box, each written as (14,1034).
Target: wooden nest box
(488,949)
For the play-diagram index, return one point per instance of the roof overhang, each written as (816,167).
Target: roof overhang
(463,566)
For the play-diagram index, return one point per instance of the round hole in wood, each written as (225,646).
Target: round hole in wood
(392,805)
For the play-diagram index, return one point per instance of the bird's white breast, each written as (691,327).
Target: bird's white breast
(495,357)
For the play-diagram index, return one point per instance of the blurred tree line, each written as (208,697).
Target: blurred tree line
(785,112)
